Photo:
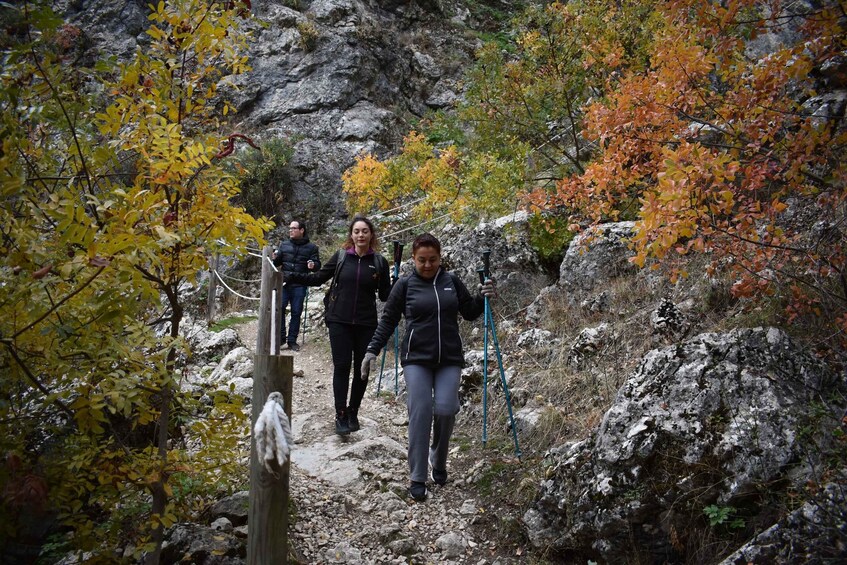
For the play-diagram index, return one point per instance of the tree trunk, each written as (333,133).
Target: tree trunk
(160,496)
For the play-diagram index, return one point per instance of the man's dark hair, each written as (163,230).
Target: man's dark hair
(426,240)
(302,226)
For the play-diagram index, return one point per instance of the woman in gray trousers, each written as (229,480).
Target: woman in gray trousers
(431,353)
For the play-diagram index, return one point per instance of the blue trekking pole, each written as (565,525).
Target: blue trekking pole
(381,369)
(398,258)
(485,274)
(484,365)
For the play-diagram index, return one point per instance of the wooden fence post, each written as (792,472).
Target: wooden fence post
(267,518)
(213,288)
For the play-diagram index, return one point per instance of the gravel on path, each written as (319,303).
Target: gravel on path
(348,494)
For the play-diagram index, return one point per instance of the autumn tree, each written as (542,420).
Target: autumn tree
(439,182)
(727,150)
(519,125)
(107,217)
(674,114)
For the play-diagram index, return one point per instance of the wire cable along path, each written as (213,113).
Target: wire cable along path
(219,277)
(229,288)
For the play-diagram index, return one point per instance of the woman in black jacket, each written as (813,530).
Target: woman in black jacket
(431,300)
(359,274)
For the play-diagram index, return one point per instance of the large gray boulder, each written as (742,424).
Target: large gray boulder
(234,508)
(728,420)
(208,345)
(202,545)
(593,259)
(814,533)
(114,28)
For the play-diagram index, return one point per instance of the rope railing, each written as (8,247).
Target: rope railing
(400,207)
(252,251)
(387,236)
(220,276)
(272,264)
(226,286)
(240,280)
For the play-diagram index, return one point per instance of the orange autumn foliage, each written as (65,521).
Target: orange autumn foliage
(716,148)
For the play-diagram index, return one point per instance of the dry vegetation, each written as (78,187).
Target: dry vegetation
(573,396)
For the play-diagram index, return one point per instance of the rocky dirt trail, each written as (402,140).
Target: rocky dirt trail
(349,493)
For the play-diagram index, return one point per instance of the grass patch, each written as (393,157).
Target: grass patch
(461,443)
(221,325)
(489,482)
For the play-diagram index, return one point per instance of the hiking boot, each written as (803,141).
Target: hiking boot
(417,491)
(342,425)
(438,476)
(353,419)
(293,346)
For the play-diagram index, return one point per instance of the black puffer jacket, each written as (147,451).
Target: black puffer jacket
(432,309)
(352,295)
(293,254)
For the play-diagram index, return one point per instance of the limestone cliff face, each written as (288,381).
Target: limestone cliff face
(334,77)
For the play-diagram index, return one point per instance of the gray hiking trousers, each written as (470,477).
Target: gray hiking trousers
(433,402)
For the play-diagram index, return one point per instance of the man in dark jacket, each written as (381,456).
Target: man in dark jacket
(296,254)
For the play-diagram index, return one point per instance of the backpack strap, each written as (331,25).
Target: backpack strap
(340,255)
(405,282)
(380,263)
(339,259)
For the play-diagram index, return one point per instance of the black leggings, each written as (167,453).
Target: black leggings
(348,343)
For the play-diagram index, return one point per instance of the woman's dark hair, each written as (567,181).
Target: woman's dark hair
(349,243)
(426,240)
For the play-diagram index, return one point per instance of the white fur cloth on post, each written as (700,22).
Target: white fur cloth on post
(272,433)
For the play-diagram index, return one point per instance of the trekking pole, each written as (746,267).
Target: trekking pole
(381,368)
(398,257)
(484,364)
(484,274)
